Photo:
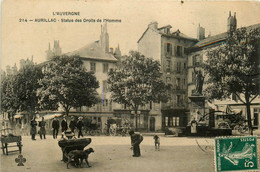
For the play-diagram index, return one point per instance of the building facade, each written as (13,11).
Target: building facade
(169,48)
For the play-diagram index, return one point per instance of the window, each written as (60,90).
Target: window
(184,82)
(172,121)
(178,82)
(151,105)
(178,67)
(168,65)
(105,86)
(105,102)
(196,60)
(178,100)
(184,65)
(105,67)
(166,121)
(179,51)
(168,49)
(93,66)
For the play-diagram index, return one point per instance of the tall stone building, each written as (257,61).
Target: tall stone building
(96,57)
(169,48)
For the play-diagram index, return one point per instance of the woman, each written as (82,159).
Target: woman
(33,128)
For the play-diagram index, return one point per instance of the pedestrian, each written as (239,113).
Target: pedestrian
(64,126)
(193,126)
(42,131)
(72,124)
(79,126)
(55,127)
(33,128)
(156,142)
(136,139)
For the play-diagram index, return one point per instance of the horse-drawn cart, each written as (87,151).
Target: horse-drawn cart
(10,140)
(72,144)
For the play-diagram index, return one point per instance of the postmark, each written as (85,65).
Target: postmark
(236,154)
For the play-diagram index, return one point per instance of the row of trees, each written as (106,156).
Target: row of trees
(65,82)
(62,82)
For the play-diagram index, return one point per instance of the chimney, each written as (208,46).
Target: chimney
(111,51)
(200,33)
(153,25)
(231,22)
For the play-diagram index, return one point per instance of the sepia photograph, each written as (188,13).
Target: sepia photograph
(134,85)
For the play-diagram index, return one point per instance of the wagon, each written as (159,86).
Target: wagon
(10,140)
(72,144)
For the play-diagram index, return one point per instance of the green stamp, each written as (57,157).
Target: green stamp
(236,154)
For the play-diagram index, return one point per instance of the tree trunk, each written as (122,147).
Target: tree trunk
(248,112)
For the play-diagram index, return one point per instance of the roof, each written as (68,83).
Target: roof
(218,38)
(177,34)
(93,51)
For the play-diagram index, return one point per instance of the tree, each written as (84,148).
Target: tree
(233,67)
(137,81)
(18,89)
(66,82)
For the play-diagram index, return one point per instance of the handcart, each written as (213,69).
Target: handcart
(72,144)
(9,140)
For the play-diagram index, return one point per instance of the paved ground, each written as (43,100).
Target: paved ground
(114,154)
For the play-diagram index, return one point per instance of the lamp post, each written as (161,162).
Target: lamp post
(136,113)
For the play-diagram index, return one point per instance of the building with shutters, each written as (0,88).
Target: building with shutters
(169,48)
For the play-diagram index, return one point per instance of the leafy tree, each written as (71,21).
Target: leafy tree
(66,82)
(137,81)
(233,68)
(18,89)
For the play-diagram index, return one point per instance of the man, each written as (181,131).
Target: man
(42,128)
(79,126)
(72,124)
(33,128)
(136,139)
(64,126)
(55,127)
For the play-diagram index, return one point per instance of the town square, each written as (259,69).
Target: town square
(130,86)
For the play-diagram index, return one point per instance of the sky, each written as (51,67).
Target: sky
(22,40)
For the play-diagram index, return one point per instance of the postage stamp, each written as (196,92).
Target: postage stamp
(236,154)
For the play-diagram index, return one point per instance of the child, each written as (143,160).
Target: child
(157,142)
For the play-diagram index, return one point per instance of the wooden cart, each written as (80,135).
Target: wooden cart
(10,140)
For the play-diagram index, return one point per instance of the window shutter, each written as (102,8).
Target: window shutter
(165,48)
(171,49)
(175,50)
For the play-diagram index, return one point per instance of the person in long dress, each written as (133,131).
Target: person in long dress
(193,126)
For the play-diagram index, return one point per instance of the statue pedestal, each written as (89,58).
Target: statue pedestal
(197,109)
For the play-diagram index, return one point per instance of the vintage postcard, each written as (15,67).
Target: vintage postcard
(134,85)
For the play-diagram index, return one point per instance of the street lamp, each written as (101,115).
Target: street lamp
(136,116)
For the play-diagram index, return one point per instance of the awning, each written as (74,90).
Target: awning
(228,109)
(18,116)
(49,116)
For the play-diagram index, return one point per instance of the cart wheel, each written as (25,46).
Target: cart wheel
(92,132)
(98,132)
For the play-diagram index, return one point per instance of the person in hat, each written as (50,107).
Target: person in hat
(64,126)
(79,126)
(72,124)
(55,127)
(136,139)
(33,128)
(42,131)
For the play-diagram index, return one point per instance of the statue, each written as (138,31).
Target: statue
(199,79)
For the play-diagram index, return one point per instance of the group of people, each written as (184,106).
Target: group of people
(55,127)
(64,126)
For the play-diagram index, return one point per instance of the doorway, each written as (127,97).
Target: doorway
(152,124)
